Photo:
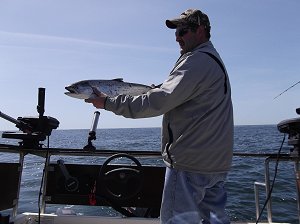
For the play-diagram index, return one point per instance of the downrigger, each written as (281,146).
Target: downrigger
(33,130)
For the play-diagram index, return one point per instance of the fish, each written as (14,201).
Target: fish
(113,87)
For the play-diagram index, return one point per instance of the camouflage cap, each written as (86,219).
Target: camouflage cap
(189,17)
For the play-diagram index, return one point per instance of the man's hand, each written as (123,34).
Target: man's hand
(98,99)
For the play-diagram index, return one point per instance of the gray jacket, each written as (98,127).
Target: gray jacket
(197,129)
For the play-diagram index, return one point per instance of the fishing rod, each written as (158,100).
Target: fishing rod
(19,123)
(287,90)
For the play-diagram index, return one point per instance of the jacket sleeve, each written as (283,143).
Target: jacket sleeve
(186,80)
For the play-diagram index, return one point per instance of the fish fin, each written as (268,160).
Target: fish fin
(118,79)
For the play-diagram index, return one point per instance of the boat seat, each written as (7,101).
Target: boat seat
(9,187)
(84,177)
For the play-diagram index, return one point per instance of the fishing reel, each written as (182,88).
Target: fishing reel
(33,129)
(292,128)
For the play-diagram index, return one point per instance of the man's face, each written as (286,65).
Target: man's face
(187,39)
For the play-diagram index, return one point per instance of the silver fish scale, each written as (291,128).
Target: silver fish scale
(118,89)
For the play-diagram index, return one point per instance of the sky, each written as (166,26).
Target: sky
(53,43)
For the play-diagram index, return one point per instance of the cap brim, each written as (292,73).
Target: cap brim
(174,23)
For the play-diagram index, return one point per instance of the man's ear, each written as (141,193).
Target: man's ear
(201,32)
(201,29)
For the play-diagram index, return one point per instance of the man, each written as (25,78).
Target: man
(197,129)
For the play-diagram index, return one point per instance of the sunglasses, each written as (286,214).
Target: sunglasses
(181,31)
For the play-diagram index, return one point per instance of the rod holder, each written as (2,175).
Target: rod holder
(92,132)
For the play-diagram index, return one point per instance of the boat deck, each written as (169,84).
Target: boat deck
(26,218)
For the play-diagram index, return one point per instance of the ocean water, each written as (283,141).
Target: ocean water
(240,185)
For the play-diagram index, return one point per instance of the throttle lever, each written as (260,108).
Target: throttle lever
(71,183)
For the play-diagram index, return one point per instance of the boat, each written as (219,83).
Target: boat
(131,188)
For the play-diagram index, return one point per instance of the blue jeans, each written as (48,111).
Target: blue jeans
(193,198)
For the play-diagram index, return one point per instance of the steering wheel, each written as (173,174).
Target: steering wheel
(120,183)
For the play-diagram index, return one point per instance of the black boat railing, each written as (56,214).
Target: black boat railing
(47,153)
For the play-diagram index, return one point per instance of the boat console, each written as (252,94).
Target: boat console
(114,185)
